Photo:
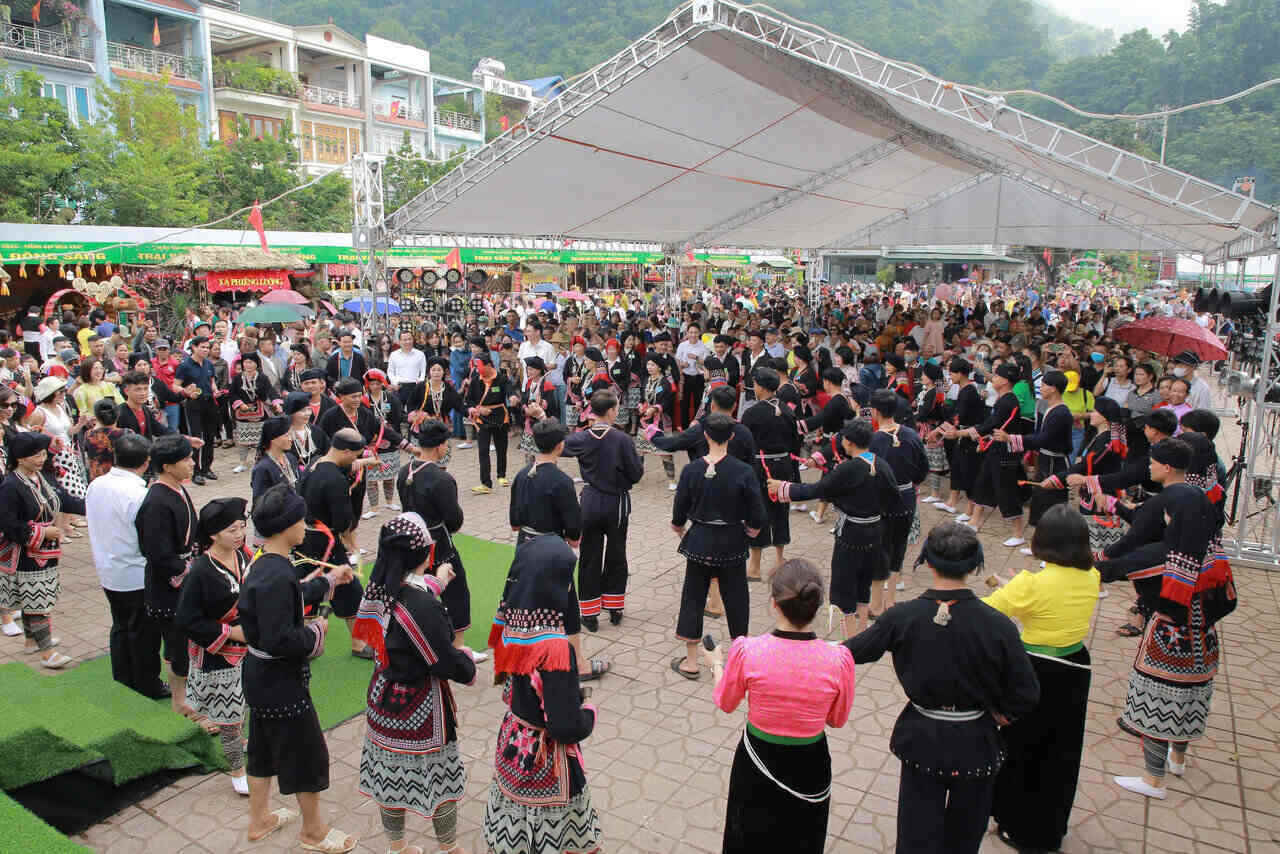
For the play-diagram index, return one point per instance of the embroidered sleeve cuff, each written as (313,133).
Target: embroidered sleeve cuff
(1016,444)
(433,584)
(221,640)
(37,534)
(317,647)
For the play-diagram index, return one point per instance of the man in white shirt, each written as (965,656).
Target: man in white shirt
(1201,394)
(406,368)
(689,356)
(111,505)
(534,345)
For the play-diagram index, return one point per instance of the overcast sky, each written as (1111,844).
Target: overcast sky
(1158,16)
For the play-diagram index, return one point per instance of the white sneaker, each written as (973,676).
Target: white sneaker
(396,508)
(1137,784)
(803,467)
(11,630)
(930,499)
(1025,551)
(963,517)
(1015,541)
(237,470)
(462,446)
(1175,768)
(671,486)
(478,657)
(901,585)
(799,508)
(241,785)
(813,514)
(944,507)
(369,514)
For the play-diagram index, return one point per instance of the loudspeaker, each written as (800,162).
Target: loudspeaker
(404,275)
(1239,304)
(453,275)
(477,277)
(428,305)
(429,277)
(477,305)
(453,305)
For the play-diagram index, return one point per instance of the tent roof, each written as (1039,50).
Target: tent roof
(734,125)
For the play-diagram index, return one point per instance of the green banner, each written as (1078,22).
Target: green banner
(52,253)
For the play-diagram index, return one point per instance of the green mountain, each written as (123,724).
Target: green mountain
(1006,44)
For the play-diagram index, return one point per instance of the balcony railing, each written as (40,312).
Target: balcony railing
(47,42)
(330,97)
(399,110)
(148,61)
(458,121)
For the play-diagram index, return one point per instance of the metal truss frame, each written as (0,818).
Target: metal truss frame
(1261,242)
(893,81)
(368,227)
(539,243)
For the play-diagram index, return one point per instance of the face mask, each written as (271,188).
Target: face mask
(1179,371)
(1096,358)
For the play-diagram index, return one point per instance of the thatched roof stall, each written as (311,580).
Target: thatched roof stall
(209,258)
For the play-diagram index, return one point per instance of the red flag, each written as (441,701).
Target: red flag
(35,12)
(255,220)
(1048,258)
(454,259)
(155,33)
(688,252)
(504,123)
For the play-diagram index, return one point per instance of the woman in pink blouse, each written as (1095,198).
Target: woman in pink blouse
(780,786)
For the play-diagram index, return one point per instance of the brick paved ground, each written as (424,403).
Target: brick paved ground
(658,762)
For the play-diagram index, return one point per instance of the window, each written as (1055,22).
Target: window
(57,91)
(82,105)
(329,143)
(262,126)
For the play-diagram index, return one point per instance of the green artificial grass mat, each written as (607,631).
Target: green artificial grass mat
(52,725)
(24,830)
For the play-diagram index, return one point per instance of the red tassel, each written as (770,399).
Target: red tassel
(525,659)
(1216,573)
(1215,495)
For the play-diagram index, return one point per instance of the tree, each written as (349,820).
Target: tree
(39,152)
(495,108)
(406,174)
(249,169)
(145,160)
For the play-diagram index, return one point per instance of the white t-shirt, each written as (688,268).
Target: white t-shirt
(404,368)
(687,353)
(111,506)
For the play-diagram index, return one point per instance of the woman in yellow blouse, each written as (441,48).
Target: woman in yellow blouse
(1037,783)
(92,388)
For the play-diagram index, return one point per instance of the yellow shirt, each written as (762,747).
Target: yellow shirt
(87,395)
(1053,605)
(83,338)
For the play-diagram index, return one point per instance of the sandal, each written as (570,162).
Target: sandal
(1129,630)
(283,816)
(675,665)
(334,842)
(57,661)
(715,615)
(599,667)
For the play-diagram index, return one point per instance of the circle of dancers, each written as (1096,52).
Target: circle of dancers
(240,594)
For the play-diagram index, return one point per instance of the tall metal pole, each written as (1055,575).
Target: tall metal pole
(1164,135)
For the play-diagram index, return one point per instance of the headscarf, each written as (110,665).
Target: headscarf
(218,515)
(528,630)
(403,543)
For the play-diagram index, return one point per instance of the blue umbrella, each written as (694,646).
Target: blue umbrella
(546,288)
(548,306)
(378,305)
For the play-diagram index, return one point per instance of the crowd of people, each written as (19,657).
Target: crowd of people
(923,408)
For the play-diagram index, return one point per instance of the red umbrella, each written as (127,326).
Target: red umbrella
(328,306)
(283,295)
(573,295)
(1169,336)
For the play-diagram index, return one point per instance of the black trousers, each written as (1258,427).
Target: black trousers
(1043,499)
(896,531)
(938,815)
(602,559)
(203,419)
(997,483)
(135,642)
(693,598)
(690,396)
(497,435)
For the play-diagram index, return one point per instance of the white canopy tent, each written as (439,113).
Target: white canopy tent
(733,125)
